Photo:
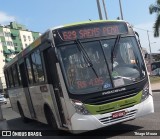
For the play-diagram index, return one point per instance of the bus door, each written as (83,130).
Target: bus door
(52,75)
(24,79)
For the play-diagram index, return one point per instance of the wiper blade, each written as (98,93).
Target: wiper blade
(83,51)
(127,78)
(85,56)
(113,49)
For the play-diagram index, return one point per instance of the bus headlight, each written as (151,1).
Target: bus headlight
(79,107)
(145,92)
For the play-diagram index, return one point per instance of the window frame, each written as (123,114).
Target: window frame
(10,73)
(25,60)
(42,65)
(14,67)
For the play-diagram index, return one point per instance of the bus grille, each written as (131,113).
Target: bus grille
(110,120)
(112,97)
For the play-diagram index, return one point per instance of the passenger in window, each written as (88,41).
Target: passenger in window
(71,72)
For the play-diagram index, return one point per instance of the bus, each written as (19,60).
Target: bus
(155,67)
(81,77)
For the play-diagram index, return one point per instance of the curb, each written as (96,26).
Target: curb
(155,90)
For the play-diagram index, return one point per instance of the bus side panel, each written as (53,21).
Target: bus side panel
(24,104)
(42,97)
(38,102)
(66,102)
(52,103)
(13,99)
(17,95)
(39,98)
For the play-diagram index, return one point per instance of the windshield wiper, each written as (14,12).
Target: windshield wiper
(127,78)
(85,56)
(113,49)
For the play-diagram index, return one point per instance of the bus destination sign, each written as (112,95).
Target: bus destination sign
(92,31)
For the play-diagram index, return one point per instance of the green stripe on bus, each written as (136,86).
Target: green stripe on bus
(88,22)
(113,106)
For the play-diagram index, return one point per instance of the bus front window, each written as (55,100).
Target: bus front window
(81,75)
(92,67)
(126,64)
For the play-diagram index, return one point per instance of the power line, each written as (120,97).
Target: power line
(99,10)
(105,11)
(143,29)
(120,5)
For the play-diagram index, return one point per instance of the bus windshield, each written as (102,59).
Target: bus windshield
(112,65)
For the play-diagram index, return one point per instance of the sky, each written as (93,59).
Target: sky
(39,15)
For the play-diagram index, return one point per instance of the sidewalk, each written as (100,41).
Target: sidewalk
(3,122)
(155,87)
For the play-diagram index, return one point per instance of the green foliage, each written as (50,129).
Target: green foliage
(155,8)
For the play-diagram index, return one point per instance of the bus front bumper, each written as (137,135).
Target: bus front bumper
(83,123)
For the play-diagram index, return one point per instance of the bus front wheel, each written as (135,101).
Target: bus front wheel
(50,118)
(24,119)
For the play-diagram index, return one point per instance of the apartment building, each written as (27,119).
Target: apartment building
(13,39)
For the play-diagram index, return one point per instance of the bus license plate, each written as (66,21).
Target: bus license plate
(118,114)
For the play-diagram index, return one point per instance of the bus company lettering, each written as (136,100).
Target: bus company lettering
(90,32)
(19,133)
(113,91)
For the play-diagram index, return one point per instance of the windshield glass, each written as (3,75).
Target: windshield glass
(126,64)
(108,71)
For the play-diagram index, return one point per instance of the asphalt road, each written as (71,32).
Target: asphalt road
(150,122)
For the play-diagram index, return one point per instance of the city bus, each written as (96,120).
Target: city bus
(81,77)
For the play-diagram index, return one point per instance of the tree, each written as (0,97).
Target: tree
(155,8)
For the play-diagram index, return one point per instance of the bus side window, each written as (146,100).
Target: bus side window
(19,75)
(6,79)
(10,77)
(16,81)
(29,70)
(37,67)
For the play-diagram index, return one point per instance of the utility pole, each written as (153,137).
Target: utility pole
(105,11)
(150,57)
(149,47)
(99,10)
(121,9)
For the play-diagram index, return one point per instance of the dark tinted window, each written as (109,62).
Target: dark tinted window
(10,77)
(6,78)
(29,70)
(16,81)
(37,67)
(19,75)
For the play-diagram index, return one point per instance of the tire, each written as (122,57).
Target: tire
(50,118)
(24,119)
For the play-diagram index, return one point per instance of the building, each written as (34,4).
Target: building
(151,59)
(13,39)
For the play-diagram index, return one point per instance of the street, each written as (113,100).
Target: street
(149,122)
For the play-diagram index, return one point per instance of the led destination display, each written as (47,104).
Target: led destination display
(92,30)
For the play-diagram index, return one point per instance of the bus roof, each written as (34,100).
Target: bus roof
(90,22)
(84,22)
